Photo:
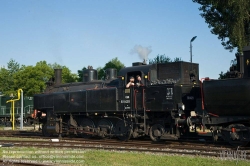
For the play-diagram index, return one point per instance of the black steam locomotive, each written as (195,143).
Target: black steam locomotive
(172,103)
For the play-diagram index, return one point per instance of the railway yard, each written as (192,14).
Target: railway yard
(14,140)
(164,120)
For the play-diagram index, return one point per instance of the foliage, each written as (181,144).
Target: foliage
(32,79)
(113,63)
(67,76)
(177,59)
(222,75)
(80,74)
(100,72)
(163,59)
(229,19)
(7,85)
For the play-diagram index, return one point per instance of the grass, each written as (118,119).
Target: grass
(22,139)
(115,158)
(1,127)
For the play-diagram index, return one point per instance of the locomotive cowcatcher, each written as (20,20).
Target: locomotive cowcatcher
(172,103)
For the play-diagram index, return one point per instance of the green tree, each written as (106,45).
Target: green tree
(229,19)
(113,63)
(67,76)
(32,79)
(100,72)
(222,75)
(7,85)
(80,74)
(233,66)
(177,59)
(163,59)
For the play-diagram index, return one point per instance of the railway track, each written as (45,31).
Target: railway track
(169,147)
(136,146)
(170,143)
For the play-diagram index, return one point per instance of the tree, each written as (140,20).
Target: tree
(67,76)
(233,67)
(229,19)
(177,59)
(100,72)
(159,59)
(80,74)
(222,75)
(7,85)
(32,79)
(163,59)
(113,63)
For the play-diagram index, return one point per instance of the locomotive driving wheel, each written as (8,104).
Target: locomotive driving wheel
(87,126)
(44,130)
(156,131)
(123,130)
(215,135)
(105,127)
(236,134)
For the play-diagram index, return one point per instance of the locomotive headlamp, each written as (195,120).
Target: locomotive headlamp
(146,76)
(183,107)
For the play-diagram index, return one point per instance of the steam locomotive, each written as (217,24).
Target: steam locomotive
(172,103)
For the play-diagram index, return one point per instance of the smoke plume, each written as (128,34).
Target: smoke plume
(141,51)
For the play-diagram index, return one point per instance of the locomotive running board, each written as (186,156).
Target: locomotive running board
(169,137)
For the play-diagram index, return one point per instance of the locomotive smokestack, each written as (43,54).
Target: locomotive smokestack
(58,76)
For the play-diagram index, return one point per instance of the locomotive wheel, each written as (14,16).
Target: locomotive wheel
(44,130)
(1,121)
(236,134)
(8,124)
(123,130)
(72,127)
(156,131)
(29,121)
(87,125)
(215,135)
(105,126)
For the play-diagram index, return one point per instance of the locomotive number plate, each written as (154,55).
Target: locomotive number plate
(125,101)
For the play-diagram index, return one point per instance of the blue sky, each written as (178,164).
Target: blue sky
(78,33)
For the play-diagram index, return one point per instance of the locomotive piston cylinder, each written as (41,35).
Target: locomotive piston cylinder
(188,122)
(53,129)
